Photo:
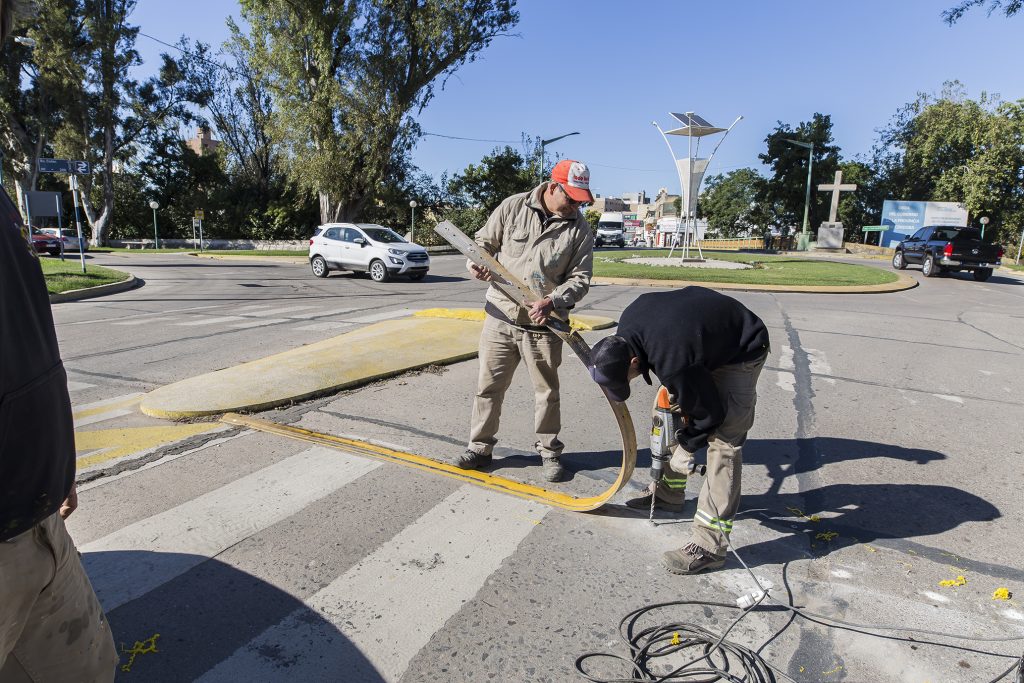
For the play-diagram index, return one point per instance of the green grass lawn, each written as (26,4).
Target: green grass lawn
(768,270)
(63,276)
(1014,266)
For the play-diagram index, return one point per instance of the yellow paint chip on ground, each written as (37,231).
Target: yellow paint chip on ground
(825,536)
(583,323)
(1002,594)
(958,581)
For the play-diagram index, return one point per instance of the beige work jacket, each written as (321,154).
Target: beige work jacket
(553,255)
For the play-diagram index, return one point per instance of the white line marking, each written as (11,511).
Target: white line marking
(146,321)
(335,311)
(105,402)
(78,386)
(103,417)
(947,397)
(786,381)
(819,365)
(208,321)
(139,315)
(786,358)
(326,325)
(121,568)
(279,311)
(390,604)
(262,322)
(377,317)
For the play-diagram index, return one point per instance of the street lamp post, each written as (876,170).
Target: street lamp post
(544,143)
(412,221)
(809,146)
(156,239)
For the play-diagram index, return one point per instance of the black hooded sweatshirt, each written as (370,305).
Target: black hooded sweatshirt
(682,336)
(37,438)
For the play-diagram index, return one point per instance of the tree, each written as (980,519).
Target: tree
(785,190)
(592,216)
(347,78)
(500,174)
(952,148)
(1007,7)
(728,201)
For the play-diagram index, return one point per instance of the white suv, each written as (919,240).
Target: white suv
(365,247)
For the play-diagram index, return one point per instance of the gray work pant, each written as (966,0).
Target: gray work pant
(720,495)
(502,347)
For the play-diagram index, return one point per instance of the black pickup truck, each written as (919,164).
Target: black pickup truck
(943,248)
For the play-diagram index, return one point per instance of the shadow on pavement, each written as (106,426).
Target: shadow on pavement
(207,613)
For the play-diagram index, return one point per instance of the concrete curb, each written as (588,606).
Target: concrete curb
(903,282)
(91,292)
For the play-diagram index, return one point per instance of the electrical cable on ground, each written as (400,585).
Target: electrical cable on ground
(647,645)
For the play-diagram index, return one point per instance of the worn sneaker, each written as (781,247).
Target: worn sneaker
(553,470)
(691,559)
(644,503)
(471,460)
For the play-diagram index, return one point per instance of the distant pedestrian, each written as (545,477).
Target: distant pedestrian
(541,237)
(768,239)
(707,349)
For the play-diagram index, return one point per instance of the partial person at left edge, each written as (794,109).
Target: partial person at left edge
(52,627)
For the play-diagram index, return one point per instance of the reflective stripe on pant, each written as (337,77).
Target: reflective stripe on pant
(720,495)
(52,627)
(502,347)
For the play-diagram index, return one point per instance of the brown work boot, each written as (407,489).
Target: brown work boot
(691,559)
(644,503)
(471,460)
(553,470)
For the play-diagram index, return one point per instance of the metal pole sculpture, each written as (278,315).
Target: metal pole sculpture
(691,172)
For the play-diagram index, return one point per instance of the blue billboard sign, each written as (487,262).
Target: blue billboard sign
(902,219)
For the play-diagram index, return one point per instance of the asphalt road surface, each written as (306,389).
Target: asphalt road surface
(885,458)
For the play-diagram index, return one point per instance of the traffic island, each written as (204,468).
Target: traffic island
(759,272)
(377,351)
(65,280)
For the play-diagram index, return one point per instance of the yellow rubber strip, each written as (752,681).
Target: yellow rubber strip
(482,479)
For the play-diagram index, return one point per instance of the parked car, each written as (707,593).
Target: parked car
(366,247)
(42,241)
(943,248)
(70,238)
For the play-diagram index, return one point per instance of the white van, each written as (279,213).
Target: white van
(610,230)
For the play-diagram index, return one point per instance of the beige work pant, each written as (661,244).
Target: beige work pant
(502,347)
(52,627)
(720,495)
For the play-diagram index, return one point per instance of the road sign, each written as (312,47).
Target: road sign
(52,165)
(64,166)
(199,214)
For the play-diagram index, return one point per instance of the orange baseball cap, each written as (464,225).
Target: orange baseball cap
(574,176)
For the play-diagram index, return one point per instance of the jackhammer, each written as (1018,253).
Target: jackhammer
(663,441)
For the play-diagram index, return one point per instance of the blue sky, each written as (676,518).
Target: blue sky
(607,69)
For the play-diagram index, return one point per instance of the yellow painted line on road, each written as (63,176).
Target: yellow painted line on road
(129,402)
(109,444)
(584,323)
(482,479)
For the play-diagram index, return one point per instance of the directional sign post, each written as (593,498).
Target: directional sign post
(71,166)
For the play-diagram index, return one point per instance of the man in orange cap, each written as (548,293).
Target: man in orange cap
(541,237)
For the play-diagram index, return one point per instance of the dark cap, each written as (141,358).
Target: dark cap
(609,366)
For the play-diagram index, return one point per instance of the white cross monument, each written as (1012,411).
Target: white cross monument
(830,234)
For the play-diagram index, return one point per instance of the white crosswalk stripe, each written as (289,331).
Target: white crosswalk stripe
(78,386)
(377,317)
(209,321)
(324,326)
(147,321)
(207,525)
(390,604)
(261,322)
